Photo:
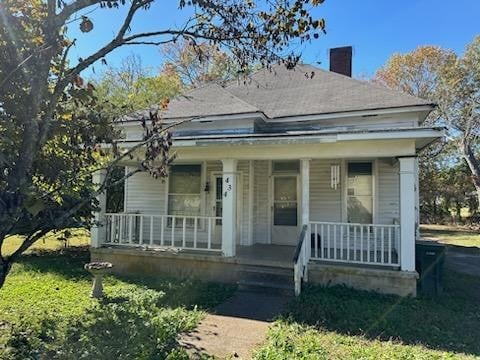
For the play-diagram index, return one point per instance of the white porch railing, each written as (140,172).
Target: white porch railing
(300,261)
(371,244)
(172,231)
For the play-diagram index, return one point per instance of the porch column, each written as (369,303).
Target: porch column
(97,231)
(417,200)
(229,204)
(407,213)
(305,170)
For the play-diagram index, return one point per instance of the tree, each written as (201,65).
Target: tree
(51,125)
(459,103)
(441,76)
(132,87)
(199,63)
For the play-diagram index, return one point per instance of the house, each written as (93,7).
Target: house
(295,176)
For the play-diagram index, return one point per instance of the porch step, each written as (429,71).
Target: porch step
(266,287)
(266,279)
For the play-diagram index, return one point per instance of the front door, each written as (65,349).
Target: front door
(285,210)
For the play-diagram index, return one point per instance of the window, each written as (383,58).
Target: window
(360,193)
(285,166)
(184,190)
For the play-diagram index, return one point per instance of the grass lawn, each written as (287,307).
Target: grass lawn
(451,235)
(340,323)
(79,237)
(46,312)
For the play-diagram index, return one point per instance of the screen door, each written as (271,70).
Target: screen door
(285,210)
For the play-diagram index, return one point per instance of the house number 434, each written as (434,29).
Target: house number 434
(228,186)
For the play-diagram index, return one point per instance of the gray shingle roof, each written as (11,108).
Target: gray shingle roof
(279,92)
(283,92)
(207,100)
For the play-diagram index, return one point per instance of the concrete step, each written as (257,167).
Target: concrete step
(266,274)
(267,270)
(267,287)
(265,279)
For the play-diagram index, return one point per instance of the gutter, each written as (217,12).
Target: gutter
(305,137)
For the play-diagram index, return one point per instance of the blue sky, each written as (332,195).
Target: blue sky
(375,28)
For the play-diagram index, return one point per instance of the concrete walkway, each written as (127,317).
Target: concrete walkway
(238,326)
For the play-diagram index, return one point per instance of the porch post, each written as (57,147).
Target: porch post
(305,170)
(97,231)
(229,205)
(417,200)
(407,213)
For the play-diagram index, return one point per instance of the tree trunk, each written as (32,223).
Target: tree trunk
(5,267)
(474,165)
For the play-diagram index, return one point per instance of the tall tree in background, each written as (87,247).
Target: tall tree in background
(132,86)
(459,102)
(51,126)
(441,76)
(200,63)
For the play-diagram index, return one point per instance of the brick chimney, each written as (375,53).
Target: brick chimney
(341,60)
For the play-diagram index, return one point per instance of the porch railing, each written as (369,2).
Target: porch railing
(170,231)
(372,244)
(300,261)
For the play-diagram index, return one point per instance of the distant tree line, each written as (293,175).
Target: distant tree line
(450,169)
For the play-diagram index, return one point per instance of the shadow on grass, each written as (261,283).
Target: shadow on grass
(66,262)
(449,322)
(188,293)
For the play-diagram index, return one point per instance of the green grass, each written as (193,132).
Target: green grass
(451,235)
(78,237)
(47,312)
(341,323)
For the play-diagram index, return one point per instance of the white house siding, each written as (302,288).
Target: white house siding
(260,203)
(144,194)
(388,190)
(325,202)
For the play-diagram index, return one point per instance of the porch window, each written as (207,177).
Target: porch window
(360,193)
(184,190)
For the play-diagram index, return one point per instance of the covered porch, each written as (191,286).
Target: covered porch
(323,199)
(257,209)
